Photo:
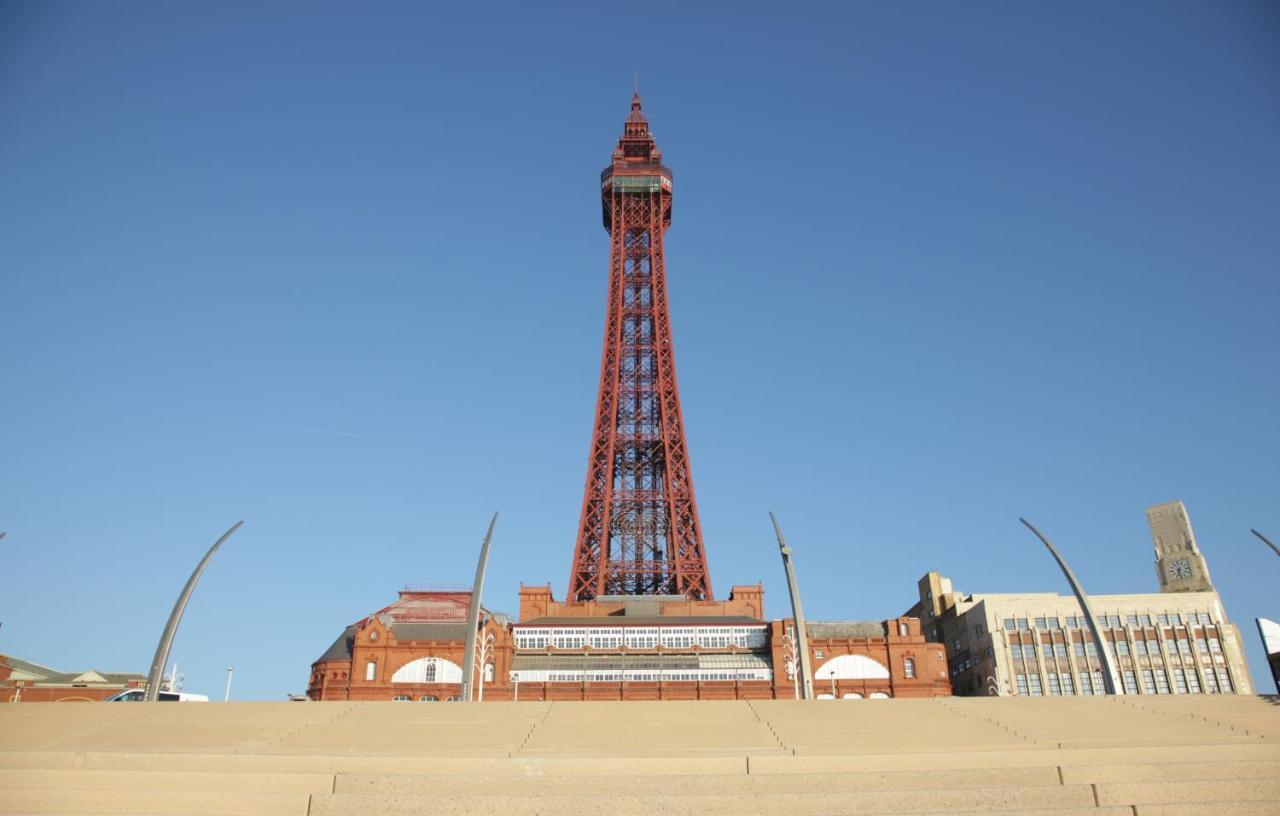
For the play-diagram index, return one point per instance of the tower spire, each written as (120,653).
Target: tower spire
(639,532)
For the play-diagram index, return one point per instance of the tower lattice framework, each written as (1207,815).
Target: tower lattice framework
(639,533)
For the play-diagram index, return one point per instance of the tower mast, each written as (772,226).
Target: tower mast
(639,532)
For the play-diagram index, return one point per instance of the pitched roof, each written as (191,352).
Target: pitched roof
(341,648)
(31,671)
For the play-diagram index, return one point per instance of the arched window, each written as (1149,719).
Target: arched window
(428,698)
(908,667)
(851,667)
(370,670)
(878,695)
(903,629)
(428,670)
(400,698)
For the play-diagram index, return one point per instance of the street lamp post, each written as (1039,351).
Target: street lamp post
(482,660)
(1110,678)
(789,661)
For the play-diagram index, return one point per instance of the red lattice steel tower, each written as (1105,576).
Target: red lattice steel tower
(639,533)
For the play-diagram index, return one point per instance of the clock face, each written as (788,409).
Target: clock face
(1180,568)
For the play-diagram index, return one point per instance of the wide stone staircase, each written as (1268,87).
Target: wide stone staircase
(1103,756)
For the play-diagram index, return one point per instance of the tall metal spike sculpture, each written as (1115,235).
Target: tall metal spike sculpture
(639,532)
(1263,538)
(175,617)
(473,615)
(1110,677)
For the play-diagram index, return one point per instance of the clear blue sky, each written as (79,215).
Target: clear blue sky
(339,271)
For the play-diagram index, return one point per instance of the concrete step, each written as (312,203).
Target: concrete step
(640,784)
(208,781)
(812,803)
(1190,791)
(170,803)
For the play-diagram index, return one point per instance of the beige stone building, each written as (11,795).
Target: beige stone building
(1176,641)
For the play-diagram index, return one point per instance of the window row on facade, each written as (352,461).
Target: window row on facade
(1110,621)
(616,637)
(1138,646)
(664,676)
(1154,681)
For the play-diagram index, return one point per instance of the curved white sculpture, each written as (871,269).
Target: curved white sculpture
(428,670)
(851,667)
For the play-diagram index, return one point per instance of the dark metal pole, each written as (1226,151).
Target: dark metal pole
(473,619)
(797,612)
(175,617)
(1265,540)
(1110,679)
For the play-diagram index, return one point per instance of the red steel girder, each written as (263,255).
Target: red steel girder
(639,532)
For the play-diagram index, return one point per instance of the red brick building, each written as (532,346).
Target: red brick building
(620,648)
(27,682)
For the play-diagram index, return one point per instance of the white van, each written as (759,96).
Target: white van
(139,695)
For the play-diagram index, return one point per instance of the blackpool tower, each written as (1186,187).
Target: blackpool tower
(639,533)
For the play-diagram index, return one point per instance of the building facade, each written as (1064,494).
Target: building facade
(620,648)
(1176,641)
(27,682)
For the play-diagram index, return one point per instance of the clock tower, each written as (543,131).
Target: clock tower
(1179,564)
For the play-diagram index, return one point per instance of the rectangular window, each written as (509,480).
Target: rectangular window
(1210,682)
(1099,687)
(1021,680)
(1130,683)
(1042,623)
(1132,620)
(1193,682)
(1060,650)
(1184,646)
(1068,686)
(1023,625)
(1114,620)
(1140,648)
(1086,684)
(1009,624)
(1079,648)
(1224,682)
(1148,682)
(1215,645)
(1055,688)
(1145,620)
(1170,648)
(1179,681)
(1122,648)
(1162,620)
(1091,649)
(1036,690)
(1162,682)
(1055,622)
(977,630)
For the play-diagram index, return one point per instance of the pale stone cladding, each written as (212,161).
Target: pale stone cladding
(1037,644)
